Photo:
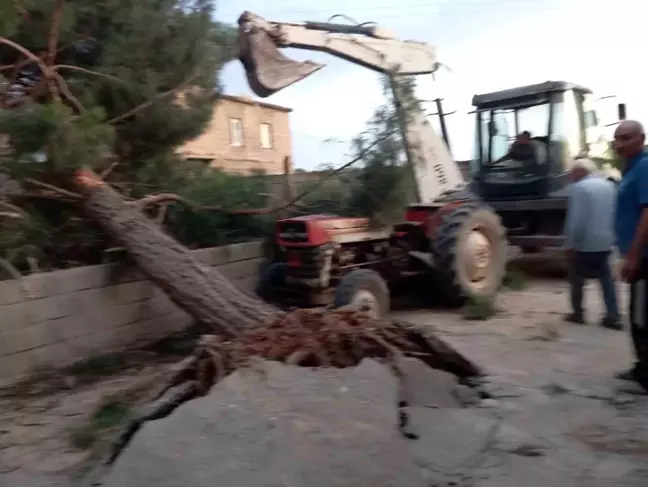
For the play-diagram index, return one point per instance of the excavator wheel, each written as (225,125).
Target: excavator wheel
(469,248)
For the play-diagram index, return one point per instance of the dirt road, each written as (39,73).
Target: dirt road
(553,384)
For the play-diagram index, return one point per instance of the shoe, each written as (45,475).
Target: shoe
(612,323)
(575,318)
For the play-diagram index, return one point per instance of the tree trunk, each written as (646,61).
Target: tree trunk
(203,293)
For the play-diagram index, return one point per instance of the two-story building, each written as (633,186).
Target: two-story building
(243,136)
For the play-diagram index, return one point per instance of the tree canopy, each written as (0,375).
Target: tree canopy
(116,85)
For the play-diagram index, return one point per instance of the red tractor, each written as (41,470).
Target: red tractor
(451,244)
(448,250)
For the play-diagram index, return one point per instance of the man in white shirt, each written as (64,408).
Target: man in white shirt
(589,235)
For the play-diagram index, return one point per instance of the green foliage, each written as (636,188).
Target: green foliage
(384,183)
(68,141)
(209,228)
(480,309)
(117,57)
(111,414)
(515,279)
(137,51)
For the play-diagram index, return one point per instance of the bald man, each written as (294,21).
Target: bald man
(632,237)
(589,241)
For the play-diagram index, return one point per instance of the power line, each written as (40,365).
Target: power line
(440,9)
(487,4)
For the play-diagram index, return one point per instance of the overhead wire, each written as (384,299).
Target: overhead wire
(438,8)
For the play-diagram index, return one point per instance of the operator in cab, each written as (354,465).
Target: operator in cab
(522,149)
(632,238)
(525,150)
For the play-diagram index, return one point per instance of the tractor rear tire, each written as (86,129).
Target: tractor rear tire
(270,282)
(469,248)
(363,288)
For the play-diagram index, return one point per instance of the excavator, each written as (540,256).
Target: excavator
(450,236)
(531,195)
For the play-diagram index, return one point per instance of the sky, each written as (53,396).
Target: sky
(487,45)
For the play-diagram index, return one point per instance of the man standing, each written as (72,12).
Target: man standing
(632,238)
(589,233)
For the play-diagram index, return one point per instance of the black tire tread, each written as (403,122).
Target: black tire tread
(362,278)
(447,286)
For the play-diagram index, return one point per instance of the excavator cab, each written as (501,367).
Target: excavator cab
(527,138)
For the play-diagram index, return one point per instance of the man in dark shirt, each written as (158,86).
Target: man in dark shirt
(526,150)
(522,150)
(632,238)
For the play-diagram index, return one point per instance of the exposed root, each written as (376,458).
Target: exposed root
(163,406)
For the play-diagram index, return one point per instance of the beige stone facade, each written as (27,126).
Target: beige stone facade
(244,135)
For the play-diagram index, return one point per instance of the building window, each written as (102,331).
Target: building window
(236,132)
(265,131)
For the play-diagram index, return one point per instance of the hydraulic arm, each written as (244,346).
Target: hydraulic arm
(269,71)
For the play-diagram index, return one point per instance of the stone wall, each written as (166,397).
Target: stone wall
(54,319)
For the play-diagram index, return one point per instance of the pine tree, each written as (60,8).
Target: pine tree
(384,184)
(103,92)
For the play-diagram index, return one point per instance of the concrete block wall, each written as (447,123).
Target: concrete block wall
(54,319)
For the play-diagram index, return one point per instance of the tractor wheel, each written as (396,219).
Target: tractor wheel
(270,282)
(363,288)
(469,249)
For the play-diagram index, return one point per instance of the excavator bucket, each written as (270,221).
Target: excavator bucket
(267,70)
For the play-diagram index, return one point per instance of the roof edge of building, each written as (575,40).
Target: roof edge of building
(250,101)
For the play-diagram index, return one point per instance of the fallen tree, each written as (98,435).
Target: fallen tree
(243,327)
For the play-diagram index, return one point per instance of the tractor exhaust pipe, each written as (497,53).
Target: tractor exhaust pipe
(266,69)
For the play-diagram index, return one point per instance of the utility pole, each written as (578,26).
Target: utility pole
(442,115)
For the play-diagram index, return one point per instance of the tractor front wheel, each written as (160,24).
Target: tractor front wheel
(364,289)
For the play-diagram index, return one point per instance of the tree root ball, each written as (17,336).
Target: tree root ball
(320,338)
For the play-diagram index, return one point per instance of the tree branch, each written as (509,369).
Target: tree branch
(65,89)
(106,172)
(47,73)
(53,80)
(55,189)
(150,102)
(70,67)
(54,32)
(12,211)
